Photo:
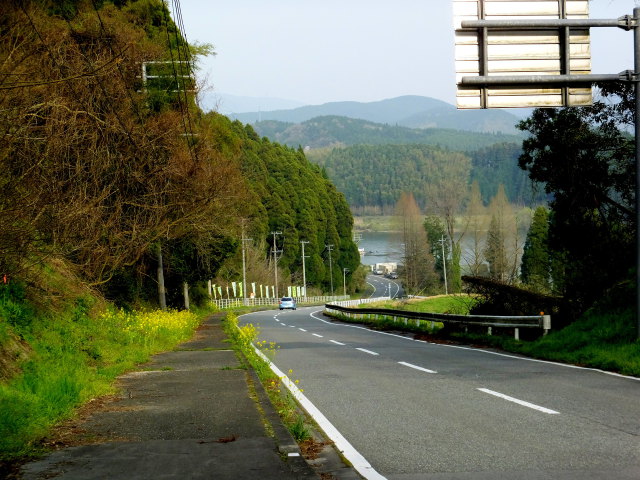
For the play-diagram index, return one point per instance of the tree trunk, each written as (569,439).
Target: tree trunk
(185,291)
(162,297)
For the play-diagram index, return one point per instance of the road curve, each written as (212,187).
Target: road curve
(417,410)
(384,287)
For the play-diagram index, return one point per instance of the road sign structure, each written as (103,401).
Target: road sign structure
(520,74)
(510,51)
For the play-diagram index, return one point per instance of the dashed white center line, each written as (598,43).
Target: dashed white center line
(283,324)
(292,326)
(519,402)
(410,365)
(367,351)
(302,329)
(337,343)
(316,335)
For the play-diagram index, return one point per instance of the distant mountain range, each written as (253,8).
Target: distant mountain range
(340,131)
(408,111)
(225,103)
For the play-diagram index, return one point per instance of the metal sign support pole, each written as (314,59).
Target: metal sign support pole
(636,53)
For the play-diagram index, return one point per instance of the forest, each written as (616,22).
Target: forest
(332,131)
(112,174)
(374,177)
(579,243)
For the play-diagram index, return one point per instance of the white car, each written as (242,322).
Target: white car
(287,302)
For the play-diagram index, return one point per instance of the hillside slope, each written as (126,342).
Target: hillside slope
(373,177)
(320,132)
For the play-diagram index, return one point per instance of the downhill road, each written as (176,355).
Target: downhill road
(384,287)
(418,410)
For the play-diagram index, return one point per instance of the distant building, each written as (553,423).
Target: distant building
(384,268)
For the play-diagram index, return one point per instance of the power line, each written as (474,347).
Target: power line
(90,74)
(134,104)
(102,87)
(80,98)
(183,105)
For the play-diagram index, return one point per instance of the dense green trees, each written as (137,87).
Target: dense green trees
(535,270)
(498,164)
(330,131)
(584,156)
(291,195)
(372,177)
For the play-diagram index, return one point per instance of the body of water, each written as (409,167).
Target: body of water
(381,247)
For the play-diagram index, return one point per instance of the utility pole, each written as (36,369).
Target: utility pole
(330,247)
(244,267)
(275,260)
(304,272)
(636,66)
(444,267)
(344,280)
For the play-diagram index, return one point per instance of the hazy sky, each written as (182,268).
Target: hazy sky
(317,51)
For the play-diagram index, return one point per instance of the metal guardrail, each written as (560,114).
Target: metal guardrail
(351,303)
(516,322)
(253,302)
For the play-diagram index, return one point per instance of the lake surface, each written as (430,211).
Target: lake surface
(387,247)
(381,247)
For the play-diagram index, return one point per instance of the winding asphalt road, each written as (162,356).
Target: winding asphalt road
(417,410)
(384,287)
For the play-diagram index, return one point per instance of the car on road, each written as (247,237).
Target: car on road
(393,276)
(287,302)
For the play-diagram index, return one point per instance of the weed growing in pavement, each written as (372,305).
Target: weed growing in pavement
(299,430)
(243,338)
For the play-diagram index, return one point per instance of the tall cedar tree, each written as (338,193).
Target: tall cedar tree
(477,225)
(535,270)
(501,249)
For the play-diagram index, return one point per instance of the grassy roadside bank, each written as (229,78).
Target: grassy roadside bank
(53,360)
(243,338)
(603,338)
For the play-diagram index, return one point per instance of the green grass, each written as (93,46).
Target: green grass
(74,354)
(454,304)
(598,340)
(242,339)
(605,337)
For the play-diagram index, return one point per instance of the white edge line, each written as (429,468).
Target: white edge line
(337,343)
(410,365)
(374,289)
(519,402)
(361,465)
(486,352)
(367,351)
